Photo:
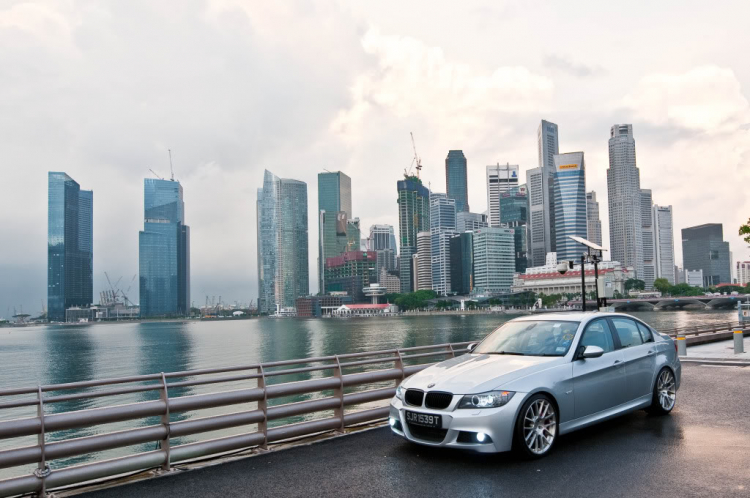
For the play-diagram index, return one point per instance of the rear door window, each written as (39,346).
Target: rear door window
(627,332)
(645,332)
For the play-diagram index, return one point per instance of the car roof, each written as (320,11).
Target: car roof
(572,316)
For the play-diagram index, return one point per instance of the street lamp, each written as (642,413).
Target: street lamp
(589,257)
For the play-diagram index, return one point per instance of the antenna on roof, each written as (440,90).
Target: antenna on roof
(171,169)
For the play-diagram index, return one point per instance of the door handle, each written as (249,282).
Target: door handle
(651,352)
(617,361)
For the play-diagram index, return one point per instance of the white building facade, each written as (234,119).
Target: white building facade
(499,179)
(494,260)
(649,251)
(743,272)
(624,199)
(546,279)
(423,262)
(592,218)
(664,243)
(442,229)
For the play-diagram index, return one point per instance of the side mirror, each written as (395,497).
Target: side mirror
(471,347)
(592,352)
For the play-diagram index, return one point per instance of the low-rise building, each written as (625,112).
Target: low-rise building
(351,310)
(694,278)
(547,280)
(319,306)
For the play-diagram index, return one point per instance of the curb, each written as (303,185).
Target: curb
(717,361)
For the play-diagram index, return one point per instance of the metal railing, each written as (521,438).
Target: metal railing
(347,372)
(698,330)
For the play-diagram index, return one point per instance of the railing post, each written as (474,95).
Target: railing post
(681,345)
(263,406)
(739,346)
(339,393)
(453,352)
(400,366)
(43,469)
(164,395)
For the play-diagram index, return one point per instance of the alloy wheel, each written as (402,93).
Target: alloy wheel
(539,426)
(665,388)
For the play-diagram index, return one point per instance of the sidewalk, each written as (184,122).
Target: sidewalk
(719,351)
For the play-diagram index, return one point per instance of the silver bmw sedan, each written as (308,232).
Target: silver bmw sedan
(536,378)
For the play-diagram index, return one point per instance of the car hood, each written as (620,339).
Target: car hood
(476,373)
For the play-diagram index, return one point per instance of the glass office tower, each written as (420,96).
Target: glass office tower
(70,243)
(336,234)
(413,217)
(569,190)
(283,270)
(455,179)
(164,251)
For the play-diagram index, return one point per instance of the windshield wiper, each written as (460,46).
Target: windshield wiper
(508,352)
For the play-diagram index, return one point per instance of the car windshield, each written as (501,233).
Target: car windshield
(530,338)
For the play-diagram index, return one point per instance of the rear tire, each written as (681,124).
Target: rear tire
(665,393)
(536,427)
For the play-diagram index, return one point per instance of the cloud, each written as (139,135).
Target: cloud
(565,65)
(706,98)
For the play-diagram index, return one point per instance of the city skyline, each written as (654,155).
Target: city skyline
(688,105)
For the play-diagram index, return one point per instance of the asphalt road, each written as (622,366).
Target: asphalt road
(701,449)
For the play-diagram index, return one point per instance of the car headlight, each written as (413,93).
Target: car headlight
(400,393)
(492,399)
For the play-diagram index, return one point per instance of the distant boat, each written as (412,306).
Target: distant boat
(284,312)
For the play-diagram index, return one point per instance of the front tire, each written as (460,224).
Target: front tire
(536,427)
(665,393)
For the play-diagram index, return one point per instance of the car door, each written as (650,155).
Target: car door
(638,354)
(598,383)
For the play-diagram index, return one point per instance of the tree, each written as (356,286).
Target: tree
(634,284)
(745,230)
(662,285)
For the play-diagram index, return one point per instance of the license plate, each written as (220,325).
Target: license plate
(424,420)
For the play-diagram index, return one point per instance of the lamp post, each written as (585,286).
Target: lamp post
(590,258)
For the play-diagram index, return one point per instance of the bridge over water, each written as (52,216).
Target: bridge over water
(657,303)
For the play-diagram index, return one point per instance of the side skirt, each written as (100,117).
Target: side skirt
(595,418)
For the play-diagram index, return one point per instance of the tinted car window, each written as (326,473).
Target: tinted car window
(645,332)
(627,332)
(597,333)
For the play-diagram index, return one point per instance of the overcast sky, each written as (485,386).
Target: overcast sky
(101,89)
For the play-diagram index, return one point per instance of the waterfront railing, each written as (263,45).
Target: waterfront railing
(351,390)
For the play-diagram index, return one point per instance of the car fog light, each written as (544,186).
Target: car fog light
(481,436)
(392,421)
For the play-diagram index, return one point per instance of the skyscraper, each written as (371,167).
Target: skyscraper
(704,248)
(335,233)
(664,243)
(455,179)
(499,179)
(541,225)
(470,221)
(442,228)
(164,251)
(624,199)
(283,272)
(649,251)
(462,263)
(382,237)
(413,217)
(69,245)
(494,262)
(423,258)
(514,214)
(592,216)
(569,187)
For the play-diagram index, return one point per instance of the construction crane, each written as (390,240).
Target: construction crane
(155,174)
(171,169)
(416,156)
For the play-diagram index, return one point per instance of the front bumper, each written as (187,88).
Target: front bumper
(497,423)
